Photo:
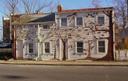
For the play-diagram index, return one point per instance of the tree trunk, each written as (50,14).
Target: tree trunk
(64,41)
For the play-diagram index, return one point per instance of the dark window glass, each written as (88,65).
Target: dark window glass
(47,47)
(79,47)
(46,27)
(101,45)
(30,48)
(79,21)
(101,20)
(63,21)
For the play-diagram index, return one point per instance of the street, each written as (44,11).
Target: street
(62,73)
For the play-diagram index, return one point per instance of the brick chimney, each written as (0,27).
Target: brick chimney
(59,8)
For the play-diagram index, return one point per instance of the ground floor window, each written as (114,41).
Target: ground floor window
(101,46)
(47,47)
(80,47)
(30,47)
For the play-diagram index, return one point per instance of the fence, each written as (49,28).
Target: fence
(121,55)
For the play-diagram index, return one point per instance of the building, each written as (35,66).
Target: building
(66,35)
(6,30)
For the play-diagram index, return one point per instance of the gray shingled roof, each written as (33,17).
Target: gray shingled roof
(47,18)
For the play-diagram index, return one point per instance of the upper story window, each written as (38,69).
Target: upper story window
(79,21)
(30,47)
(46,27)
(63,21)
(79,47)
(101,46)
(47,47)
(101,20)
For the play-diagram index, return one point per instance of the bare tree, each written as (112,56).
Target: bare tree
(121,12)
(28,6)
(12,6)
(35,6)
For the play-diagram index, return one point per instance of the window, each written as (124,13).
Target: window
(101,46)
(46,27)
(47,47)
(79,47)
(101,20)
(79,21)
(63,21)
(30,48)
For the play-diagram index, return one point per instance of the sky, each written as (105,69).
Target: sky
(67,4)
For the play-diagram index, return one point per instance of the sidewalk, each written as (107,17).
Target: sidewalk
(65,63)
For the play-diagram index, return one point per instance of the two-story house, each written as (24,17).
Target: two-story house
(67,35)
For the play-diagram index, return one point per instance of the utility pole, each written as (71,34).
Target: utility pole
(127,14)
(127,8)
(127,11)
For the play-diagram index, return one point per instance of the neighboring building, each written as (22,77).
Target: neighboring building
(6,30)
(66,35)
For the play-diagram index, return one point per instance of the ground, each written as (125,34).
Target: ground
(62,73)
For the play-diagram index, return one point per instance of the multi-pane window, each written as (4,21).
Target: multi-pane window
(47,47)
(46,27)
(79,21)
(101,46)
(79,47)
(30,48)
(101,20)
(63,21)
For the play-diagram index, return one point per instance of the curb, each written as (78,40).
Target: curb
(65,63)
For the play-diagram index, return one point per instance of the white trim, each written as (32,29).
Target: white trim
(82,21)
(49,48)
(32,48)
(101,15)
(77,53)
(61,24)
(106,47)
(75,21)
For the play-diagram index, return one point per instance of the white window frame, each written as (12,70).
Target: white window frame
(82,20)
(49,48)
(42,25)
(61,22)
(76,47)
(100,15)
(31,47)
(98,52)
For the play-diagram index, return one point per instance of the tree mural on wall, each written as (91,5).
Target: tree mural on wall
(64,34)
(92,29)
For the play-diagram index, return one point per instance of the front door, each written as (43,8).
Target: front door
(19,49)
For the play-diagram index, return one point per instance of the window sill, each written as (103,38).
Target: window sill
(101,52)
(47,54)
(45,29)
(30,54)
(78,54)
